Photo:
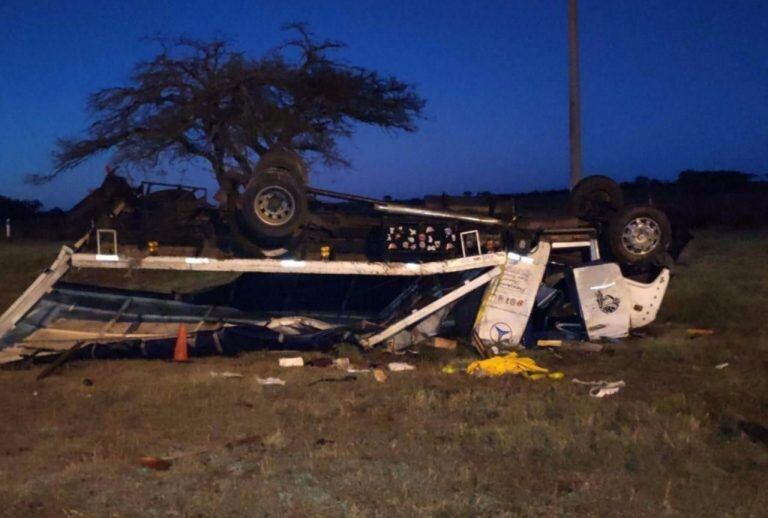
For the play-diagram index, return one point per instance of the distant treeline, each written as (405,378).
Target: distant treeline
(18,209)
(707,198)
(704,180)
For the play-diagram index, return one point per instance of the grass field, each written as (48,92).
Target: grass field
(682,438)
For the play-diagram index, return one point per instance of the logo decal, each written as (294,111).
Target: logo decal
(607,303)
(500,331)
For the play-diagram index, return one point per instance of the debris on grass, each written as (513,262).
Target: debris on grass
(380,375)
(600,389)
(721,366)
(438,342)
(269,381)
(557,375)
(164,463)
(697,332)
(549,343)
(225,374)
(341,363)
(449,369)
(456,365)
(400,366)
(511,364)
(156,463)
(298,361)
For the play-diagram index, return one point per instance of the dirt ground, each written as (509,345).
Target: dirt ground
(682,438)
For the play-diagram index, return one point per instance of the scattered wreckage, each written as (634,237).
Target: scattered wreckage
(315,273)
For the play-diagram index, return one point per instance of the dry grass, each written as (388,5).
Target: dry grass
(21,262)
(424,443)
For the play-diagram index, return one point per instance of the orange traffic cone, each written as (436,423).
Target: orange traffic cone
(180,351)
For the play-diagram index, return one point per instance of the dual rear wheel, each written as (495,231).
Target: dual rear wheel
(631,234)
(274,204)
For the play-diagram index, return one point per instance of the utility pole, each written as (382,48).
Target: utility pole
(574,99)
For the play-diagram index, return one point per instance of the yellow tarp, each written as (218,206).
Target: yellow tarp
(511,364)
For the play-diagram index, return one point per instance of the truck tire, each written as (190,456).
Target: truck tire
(274,204)
(284,159)
(595,198)
(638,235)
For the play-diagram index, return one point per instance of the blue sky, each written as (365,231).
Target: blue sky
(666,86)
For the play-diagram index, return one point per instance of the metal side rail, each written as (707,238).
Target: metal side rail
(204,264)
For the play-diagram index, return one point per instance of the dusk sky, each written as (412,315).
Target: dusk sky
(666,85)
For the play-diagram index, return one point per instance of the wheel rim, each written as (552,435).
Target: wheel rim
(641,236)
(274,205)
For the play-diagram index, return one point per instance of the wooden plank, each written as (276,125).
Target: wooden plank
(205,264)
(117,316)
(63,357)
(204,319)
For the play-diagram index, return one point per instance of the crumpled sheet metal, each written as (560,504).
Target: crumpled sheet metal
(508,301)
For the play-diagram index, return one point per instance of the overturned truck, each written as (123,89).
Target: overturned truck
(317,267)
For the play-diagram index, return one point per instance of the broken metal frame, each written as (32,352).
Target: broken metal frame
(67,258)
(427,310)
(493,263)
(35,291)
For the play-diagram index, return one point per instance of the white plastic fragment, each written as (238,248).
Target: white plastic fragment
(400,366)
(291,362)
(341,363)
(721,366)
(226,374)
(600,389)
(607,390)
(269,381)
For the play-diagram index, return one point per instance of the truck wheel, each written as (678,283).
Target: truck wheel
(595,198)
(274,203)
(284,159)
(638,235)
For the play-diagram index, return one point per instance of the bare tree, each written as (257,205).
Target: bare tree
(204,100)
